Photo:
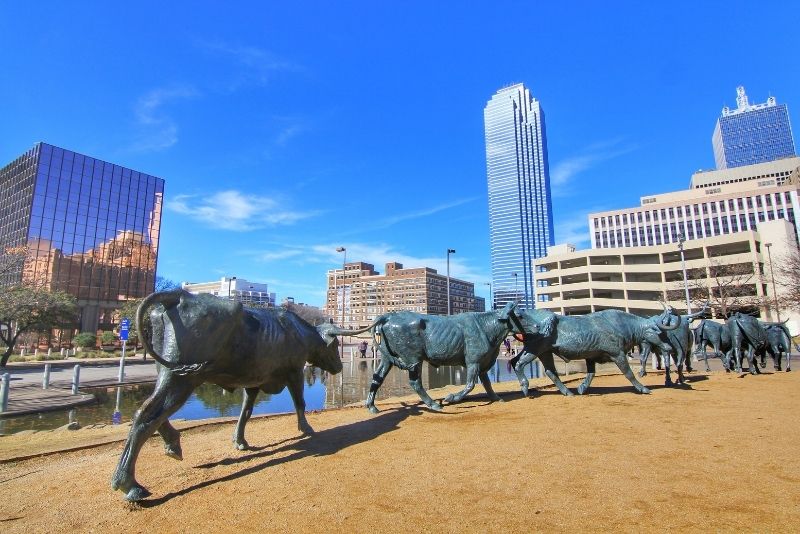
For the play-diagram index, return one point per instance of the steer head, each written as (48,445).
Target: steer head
(327,357)
(538,322)
(653,331)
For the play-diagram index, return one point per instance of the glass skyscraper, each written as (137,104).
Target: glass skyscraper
(85,226)
(520,209)
(751,134)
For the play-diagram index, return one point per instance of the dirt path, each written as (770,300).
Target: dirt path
(721,456)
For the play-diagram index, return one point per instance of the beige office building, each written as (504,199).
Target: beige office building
(718,203)
(637,279)
(233,288)
(360,294)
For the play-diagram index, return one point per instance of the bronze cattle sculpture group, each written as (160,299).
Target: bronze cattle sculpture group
(200,339)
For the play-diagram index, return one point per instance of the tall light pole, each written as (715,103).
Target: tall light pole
(681,239)
(774,287)
(516,295)
(491,302)
(344,261)
(449,251)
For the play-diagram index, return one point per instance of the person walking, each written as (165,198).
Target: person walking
(362,348)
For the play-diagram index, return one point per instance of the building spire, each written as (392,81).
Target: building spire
(741,98)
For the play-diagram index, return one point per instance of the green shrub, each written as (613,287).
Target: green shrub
(85,340)
(107,337)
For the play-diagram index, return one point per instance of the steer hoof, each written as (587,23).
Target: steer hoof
(241,445)
(436,407)
(137,493)
(448,399)
(373,409)
(173,451)
(644,391)
(582,389)
(307,430)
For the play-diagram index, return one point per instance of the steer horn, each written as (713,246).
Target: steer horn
(165,298)
(667,328)
(337,331)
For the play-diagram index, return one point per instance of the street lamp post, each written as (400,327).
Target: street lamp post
(516,295)
(681,239)
(344,261)
(344,285)
(449,251)
(772,274)
(491,302)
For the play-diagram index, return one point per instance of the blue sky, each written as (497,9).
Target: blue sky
(285,131)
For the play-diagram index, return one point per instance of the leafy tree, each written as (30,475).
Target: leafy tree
(85,340)
(26,309)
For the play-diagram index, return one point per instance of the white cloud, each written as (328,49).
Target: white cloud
(256,65)
(233,210)
(565,170)
(158,130)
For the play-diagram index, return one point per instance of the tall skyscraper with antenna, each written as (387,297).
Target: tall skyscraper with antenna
(520,209)
(752,133)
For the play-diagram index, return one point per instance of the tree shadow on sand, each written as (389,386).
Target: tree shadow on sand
(322,443)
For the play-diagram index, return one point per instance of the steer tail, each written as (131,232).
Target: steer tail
(166,299)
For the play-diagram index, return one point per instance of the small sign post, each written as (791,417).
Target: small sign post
(124,326)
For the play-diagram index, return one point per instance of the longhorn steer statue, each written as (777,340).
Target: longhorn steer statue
(746,332)
(599,337)
(202,338)
(779,340)
(679,339)
(717,336)
(406,339)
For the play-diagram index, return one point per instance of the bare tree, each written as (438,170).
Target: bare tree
(12,260)
(165,284)
(310,314)
(787,275)
(727,288)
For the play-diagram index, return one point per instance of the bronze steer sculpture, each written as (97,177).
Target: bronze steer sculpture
(679,339)
(746,333)
(716,335)
(202,338)
(779,341)
(406,339)
(599,337)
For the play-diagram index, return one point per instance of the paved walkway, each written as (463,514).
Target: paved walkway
(26,394)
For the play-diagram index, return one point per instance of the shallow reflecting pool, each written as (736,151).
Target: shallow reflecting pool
(116,405)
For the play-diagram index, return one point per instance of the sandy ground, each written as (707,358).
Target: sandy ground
(719,455)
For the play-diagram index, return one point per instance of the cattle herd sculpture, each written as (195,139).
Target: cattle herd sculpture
(200,338)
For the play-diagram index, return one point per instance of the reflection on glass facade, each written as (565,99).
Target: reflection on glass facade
(91,228)
(520,210)
(751,134)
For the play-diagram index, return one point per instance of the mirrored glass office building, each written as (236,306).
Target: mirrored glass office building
(752,133)
(520,209)
(85,226)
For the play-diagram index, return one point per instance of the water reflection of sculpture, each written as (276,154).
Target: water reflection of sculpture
(201,338)
(406,339)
